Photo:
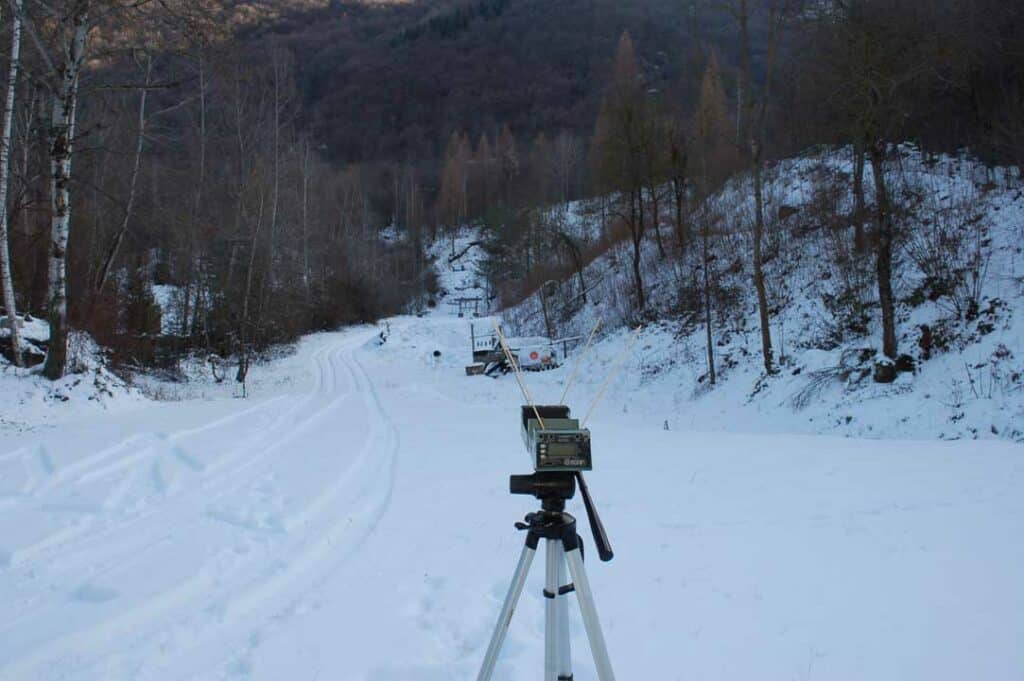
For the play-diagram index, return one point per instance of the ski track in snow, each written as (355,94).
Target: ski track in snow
(161,486)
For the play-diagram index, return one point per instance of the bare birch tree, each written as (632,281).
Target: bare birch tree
(74,26)
(64,38)
(6,277)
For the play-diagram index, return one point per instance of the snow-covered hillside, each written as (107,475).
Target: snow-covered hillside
(971,385)
(457,259)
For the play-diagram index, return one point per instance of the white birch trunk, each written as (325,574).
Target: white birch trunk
(7,281)
(62,134)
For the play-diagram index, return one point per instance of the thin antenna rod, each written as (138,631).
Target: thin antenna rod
(579,361)
(518,373)
(615,369)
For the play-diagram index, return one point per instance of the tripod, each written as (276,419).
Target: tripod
(563,549)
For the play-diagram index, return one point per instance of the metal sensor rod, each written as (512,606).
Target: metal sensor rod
(611,374)
(579,360)
(515,368)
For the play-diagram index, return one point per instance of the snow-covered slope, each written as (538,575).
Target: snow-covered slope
(457,259)
(972,385)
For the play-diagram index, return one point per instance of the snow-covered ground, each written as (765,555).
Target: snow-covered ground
(351,521)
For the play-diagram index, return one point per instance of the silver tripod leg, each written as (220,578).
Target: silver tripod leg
(557,654)
(562,601)
(505,618)
(554,560)
(590,622)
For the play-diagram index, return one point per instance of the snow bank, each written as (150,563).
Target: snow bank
(29,402)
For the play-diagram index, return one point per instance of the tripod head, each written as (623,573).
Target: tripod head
(554,488)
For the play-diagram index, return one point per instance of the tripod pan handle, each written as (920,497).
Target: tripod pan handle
(604,547)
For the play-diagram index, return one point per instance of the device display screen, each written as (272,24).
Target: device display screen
(559,450)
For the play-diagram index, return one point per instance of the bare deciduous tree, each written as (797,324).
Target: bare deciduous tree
(714,162)
(873,71)
(6,278)
(752,107)
(118,238)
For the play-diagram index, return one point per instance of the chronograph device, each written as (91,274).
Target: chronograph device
(554,440)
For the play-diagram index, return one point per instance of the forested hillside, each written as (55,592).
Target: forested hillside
(392,81)
(220,178)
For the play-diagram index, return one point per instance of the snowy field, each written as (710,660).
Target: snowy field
(350,521)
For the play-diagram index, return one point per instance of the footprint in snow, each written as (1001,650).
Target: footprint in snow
(45,460)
